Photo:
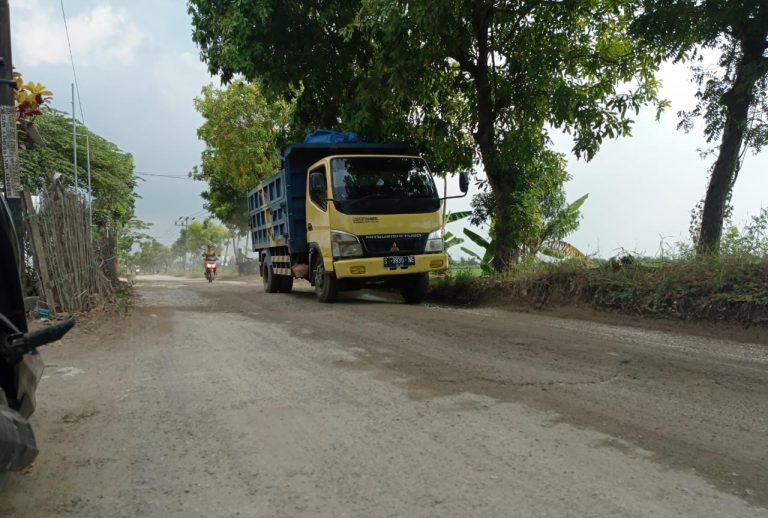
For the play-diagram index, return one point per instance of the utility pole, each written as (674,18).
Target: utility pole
(90,196)
(182,222)
(9,144)
(88,170)
(74,136)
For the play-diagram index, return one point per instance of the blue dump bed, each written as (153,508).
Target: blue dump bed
(276,208)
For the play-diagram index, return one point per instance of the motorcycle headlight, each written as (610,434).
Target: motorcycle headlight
(435,242)
(345,245)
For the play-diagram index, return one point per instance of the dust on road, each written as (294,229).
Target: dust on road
(220,400)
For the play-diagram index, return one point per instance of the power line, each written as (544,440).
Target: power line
(72,61)
(175,225)
(173,176)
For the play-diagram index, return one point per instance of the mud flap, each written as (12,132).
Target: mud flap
(18,448)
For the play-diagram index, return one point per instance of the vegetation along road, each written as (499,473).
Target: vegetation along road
(221,400)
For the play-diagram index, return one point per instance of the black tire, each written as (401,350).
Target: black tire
(326,284)
(414,287)
(3,474)
(286,283)
(271,281)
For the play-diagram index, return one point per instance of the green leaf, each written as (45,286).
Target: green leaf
(456,216)
(477,239)
(470,253)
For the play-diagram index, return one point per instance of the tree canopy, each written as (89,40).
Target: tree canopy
(197,235)
(112,175)
(152,256)
(468,82)
(733,101)
(243,133)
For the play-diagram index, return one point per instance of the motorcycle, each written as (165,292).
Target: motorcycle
(21,367)
(210,270)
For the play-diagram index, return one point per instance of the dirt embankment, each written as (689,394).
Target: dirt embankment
(733,293)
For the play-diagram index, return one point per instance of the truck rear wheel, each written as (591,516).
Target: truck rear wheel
(286,283)
(414,287)
(271,281)
(326,284)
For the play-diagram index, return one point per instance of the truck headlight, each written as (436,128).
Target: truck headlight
(345,245)
(435,242)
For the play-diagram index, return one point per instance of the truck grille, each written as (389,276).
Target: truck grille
(394,244)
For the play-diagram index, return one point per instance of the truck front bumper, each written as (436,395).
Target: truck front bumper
(364,267)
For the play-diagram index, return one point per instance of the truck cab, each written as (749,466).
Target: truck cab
(348,216)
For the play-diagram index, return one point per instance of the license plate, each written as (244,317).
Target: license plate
(399,261)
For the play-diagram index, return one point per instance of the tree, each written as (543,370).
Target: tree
(547,238)
(179,248)
(466,80)
(733,101)
(298,49)
(243,133)
(133,234)
(198,235)
(113,181)
(153,256)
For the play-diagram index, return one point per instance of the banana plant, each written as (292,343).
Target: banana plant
(549,242)
(453,240)
(488,246)
(450,238)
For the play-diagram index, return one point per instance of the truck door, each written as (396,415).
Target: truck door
(318,223)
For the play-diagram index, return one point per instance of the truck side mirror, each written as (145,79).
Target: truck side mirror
(464,182)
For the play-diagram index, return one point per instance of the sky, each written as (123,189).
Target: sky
(139,71)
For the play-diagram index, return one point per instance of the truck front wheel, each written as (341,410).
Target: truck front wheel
(326,284)
(414,287)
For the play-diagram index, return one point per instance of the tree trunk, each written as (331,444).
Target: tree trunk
(736,101)
(507,250)
(501,181)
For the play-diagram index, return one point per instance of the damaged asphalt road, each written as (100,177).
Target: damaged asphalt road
(221,400)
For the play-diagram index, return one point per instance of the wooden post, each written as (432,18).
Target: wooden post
(38,252)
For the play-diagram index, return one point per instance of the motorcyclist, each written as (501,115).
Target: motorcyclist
(209,255)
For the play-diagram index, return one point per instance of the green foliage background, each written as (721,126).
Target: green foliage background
(112,170)
(243,133)
(470,83)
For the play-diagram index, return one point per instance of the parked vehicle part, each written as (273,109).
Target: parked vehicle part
(20,365)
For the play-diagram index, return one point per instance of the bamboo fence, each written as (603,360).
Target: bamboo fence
(70,273)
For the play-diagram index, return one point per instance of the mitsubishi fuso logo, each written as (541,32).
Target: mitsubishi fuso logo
(394,248)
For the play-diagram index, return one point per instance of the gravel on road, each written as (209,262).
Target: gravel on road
(219,400)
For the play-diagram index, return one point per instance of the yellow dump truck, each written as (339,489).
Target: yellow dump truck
(344,215)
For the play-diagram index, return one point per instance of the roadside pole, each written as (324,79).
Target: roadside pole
(182,222)
(9,145)
(74,137)
(90,193)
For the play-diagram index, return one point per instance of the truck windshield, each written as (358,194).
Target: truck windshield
(381,185)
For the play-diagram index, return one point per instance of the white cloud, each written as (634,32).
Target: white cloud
(103,35)
(179,76)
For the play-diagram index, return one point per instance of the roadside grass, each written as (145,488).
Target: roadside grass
(124,299)
(716,289)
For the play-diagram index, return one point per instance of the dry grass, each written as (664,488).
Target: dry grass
(732,289)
